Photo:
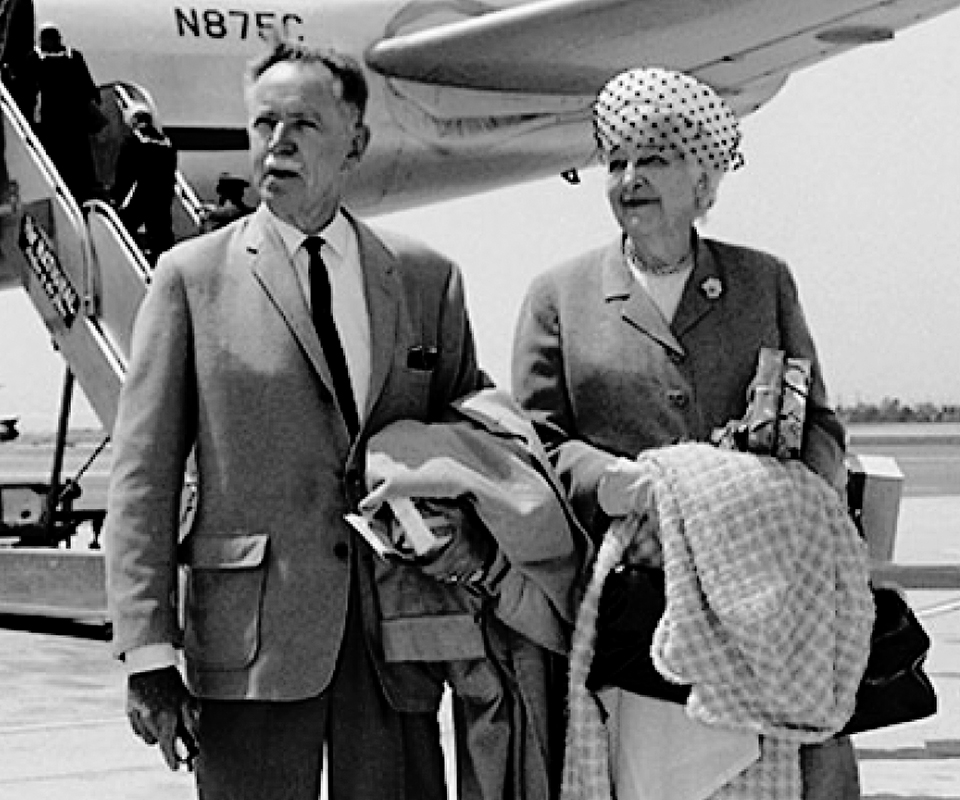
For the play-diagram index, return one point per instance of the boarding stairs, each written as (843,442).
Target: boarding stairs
(86,278)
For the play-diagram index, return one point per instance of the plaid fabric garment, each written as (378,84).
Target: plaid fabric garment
(586,762)
(768,611)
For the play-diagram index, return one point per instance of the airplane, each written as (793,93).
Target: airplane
(466,95)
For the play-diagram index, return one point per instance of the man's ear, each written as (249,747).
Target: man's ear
(361,138)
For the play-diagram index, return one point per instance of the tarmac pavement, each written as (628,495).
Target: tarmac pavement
(63,735)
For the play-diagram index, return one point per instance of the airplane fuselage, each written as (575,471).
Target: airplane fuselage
(429,143)
(465,95)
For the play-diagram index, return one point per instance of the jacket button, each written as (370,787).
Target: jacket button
(678,398)
(341,551)
(677,358)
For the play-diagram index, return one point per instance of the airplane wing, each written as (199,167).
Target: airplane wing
(745,49)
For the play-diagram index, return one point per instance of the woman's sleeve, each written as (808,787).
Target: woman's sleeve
(539,382)
(824,436)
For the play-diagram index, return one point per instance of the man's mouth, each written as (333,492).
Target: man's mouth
(280,173)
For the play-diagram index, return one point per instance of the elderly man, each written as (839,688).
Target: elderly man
(271,349)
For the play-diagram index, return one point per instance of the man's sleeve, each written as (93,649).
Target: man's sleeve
(152,437)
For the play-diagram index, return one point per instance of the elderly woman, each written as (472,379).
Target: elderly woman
(654,339)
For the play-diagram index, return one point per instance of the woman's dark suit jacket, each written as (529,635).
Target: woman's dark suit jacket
(604,375)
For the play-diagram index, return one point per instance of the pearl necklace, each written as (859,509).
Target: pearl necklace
(656,268)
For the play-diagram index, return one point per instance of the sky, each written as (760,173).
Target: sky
(852,177)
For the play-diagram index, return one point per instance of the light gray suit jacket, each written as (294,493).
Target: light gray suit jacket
(603,375)
(226,363)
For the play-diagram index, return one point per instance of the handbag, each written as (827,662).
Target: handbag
(894,687)
(631,604)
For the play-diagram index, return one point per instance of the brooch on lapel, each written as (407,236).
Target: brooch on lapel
(712,288)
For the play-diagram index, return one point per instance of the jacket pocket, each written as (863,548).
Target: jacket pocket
(225,579)
(447,637)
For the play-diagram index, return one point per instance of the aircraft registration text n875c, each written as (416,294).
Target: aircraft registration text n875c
(232,23)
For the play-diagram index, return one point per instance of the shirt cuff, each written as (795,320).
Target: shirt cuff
(150,657)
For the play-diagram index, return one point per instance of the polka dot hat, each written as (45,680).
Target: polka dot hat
(663,109)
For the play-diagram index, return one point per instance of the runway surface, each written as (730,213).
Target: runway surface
(63,735)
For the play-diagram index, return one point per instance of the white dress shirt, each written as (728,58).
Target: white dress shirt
(341,255)
(664,290)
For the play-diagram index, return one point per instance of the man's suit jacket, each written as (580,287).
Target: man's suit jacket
(226,363)
(603,375)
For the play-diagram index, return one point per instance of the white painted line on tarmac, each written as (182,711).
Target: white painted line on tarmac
(59,726)
(937,609)
(85,775)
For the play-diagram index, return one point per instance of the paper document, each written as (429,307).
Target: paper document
(413,537)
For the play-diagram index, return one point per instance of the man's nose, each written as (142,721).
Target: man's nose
(280,140)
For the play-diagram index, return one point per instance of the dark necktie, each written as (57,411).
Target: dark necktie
(327,332)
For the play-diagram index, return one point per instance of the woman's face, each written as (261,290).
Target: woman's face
(651,193)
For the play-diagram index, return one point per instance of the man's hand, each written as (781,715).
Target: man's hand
(471,549)
(162,711)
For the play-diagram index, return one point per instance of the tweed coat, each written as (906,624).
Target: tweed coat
(603,375)
(226,364)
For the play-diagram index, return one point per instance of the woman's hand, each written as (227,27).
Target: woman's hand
(626,494)
(624,489)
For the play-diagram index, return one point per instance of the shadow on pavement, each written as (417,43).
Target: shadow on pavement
(74,629)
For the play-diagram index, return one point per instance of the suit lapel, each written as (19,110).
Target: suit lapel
(700,295)
(273,270)
(637,308)
(382,290)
